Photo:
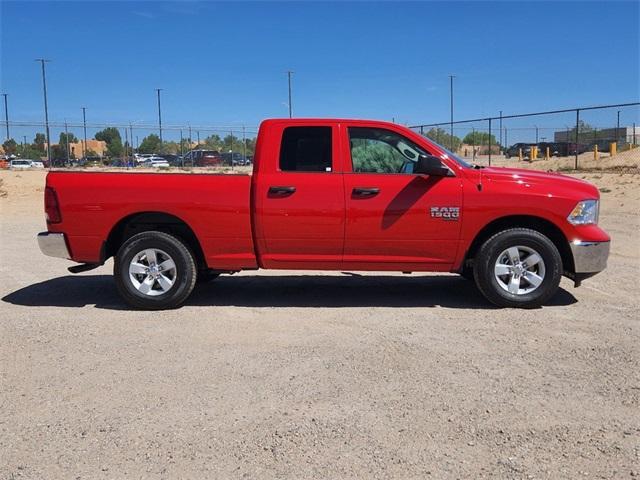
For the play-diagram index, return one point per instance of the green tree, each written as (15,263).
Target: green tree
(111,136)
(58,152)
(10,147)
(64,137)
(212,142)
(29,151)
(443,138)
(39,141)
(150,144)
(479,138)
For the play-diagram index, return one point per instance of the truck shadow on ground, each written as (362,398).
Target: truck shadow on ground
(349,290)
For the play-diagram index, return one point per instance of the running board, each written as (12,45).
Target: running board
(84,267)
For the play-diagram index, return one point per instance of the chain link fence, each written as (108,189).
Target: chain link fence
(569,139)
(74,144)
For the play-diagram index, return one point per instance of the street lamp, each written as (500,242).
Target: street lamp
(158,90)
(289,72)
(451,77)
(46,107)
(84,126)
(6,113)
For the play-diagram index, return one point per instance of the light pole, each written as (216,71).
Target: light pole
(66,138)
(46,107)
(158,90)
(289,72)
(500,129)
(451,77)
(6,113)
(84,126)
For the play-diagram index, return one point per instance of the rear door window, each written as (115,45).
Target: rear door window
(306,149)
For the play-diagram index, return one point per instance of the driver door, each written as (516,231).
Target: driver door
(394,217)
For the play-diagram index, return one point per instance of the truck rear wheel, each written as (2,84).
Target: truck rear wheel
(154,271)
(518,268)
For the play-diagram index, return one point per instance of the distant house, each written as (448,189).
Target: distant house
(98,146)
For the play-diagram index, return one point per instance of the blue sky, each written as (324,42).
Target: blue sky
(225,63)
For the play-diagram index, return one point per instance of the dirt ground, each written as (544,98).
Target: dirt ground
(316,375)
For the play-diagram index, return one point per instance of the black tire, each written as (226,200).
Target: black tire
(206,276)
(487,257)
(184,277)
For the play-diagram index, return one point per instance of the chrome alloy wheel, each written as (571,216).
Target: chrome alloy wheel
(519,270)
(152,272)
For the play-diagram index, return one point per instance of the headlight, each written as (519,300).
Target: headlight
(584,213)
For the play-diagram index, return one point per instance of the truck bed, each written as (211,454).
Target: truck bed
(216,207)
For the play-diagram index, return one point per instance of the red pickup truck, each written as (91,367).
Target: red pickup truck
(331,195)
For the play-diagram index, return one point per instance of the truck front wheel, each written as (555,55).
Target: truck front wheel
(518,267)
(154,271)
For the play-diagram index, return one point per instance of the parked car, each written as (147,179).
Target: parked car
(173,160)
(309,205)
(20,164)
(141,157)
(203,158)
(514,150)
(155,162)
(234,158)
(37,164)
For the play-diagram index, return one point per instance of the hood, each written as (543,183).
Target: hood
(549,182)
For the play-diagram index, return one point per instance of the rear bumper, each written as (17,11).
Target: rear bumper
(589,257)
(53,245)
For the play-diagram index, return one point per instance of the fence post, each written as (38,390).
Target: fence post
(577,129)
(489,141)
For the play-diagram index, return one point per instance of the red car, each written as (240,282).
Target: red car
(332,195)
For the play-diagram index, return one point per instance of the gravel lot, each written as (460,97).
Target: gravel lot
(316,375)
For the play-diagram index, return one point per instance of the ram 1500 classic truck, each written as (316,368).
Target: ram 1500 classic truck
(332,195)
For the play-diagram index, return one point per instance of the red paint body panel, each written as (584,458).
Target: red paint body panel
(215,207)
(240,225)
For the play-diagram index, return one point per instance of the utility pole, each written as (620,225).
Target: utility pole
(451,77)
(6,113)
(244,143)
(617,129)
(84,126)
(46,107)
(158,90)
(66,137)
(500,129)
(289,72)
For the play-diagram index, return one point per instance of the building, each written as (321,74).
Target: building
(622,135)
(99,147)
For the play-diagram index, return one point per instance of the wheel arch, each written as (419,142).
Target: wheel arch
(539,224)
(140,222)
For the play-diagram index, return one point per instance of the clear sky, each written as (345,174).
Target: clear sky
(225,63)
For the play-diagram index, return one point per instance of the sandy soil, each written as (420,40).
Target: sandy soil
(316,375)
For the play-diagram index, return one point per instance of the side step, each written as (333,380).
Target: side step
(84,267)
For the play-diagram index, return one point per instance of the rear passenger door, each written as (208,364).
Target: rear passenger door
(300,204)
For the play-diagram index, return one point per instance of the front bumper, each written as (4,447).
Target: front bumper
(53,245)
(589,257)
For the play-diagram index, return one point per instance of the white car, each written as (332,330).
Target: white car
(155,162)
(141,157)
(37,164)
(21,164)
